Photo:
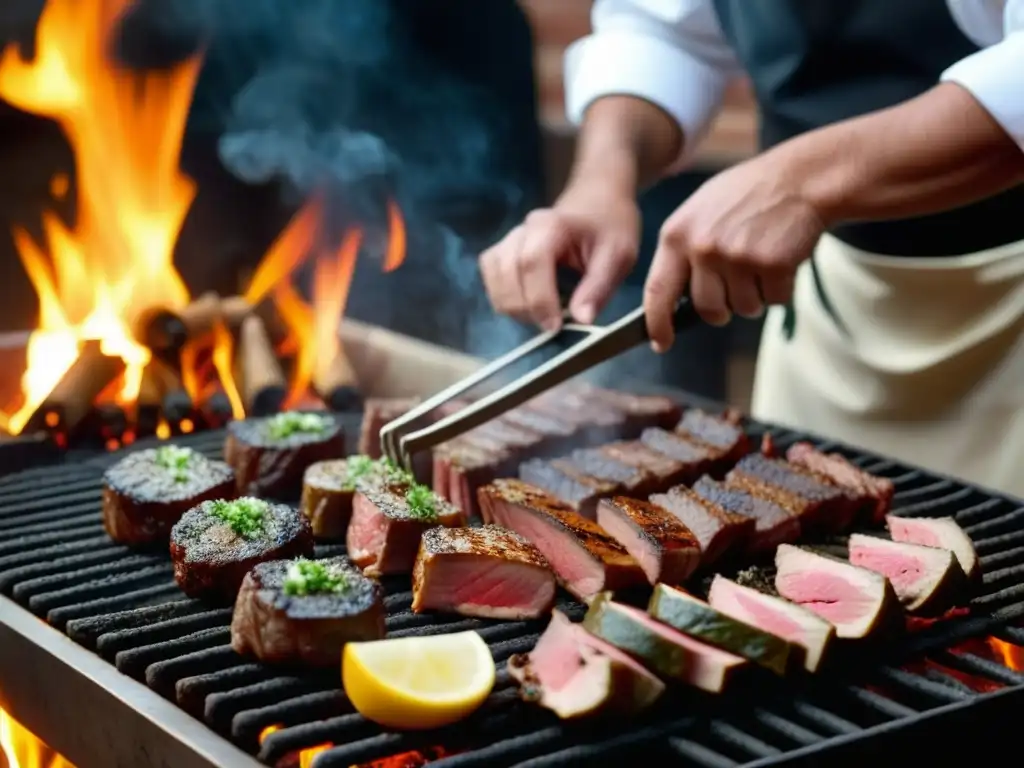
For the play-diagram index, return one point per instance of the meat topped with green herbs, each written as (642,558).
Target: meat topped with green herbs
(146,492)
(305,611)
(328,488)
(216,543)
(270,455)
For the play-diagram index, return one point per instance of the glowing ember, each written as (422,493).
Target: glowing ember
(1007,653)
(23,750)
(96,279)
(223,361)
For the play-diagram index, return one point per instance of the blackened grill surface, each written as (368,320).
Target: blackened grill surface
(56,561)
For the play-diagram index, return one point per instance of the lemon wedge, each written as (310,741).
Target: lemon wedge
(418,682)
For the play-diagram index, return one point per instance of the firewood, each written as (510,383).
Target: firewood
(261,381)
(72,398)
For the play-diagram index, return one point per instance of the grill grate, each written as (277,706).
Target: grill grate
(56,561)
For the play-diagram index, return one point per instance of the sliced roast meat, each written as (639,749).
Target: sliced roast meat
(943,532)
(724,435)
(717,529)
(565,481)
(873,494)
(462,465)
(559,434)
(328,488)
(270,455)
(490,572)
(927,580)
(147,492)
(696,618)
(696,459)
(596,463)
(659,647)
(641,411)
(575,674)
(858,602)
(585,559)
(773,525)
(820,505)
(792,622)
(306,611)
(665,548)
(664,470)
(377,413)
(388,521)
(216,543)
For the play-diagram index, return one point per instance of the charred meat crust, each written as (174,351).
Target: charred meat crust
(654,523)
(277,627)
(142,500)
(567,483)
(210,560)
(327,498)
(377,412)
(873,493)
(271,466)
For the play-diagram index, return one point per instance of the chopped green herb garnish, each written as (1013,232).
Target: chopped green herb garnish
(359,467)
(310,577)
(245,515)
(421,503)
(293,422)
(175,460)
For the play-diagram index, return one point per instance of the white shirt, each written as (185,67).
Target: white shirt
(673,53)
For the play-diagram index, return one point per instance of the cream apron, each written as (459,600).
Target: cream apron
(931,371)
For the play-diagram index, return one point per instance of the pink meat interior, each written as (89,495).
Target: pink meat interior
(767,619)
(368,529)
(903,570)
(831,597)
(643,549)
(491,582)
(910,532)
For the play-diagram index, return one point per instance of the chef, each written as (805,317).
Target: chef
(883,222)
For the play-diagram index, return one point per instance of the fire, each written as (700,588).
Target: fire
(1009,654)
(96,278)
(23,750)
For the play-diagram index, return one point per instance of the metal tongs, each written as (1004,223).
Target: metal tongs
(599,344)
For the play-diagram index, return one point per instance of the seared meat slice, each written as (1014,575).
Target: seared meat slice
(591,425)
(662,649)
(566,482)
(305,611)
(928,580)
(509,436)
(724,435)
(787,620)
(717,529)
(575,674)
(328,488)
(874,494)
(858,602)
(596,463)
(943,532)
(216,543)
(664,470)
(558,434)
(584,557)
(696,459)
(641,411)
(773,524)
(147,492)
(490,572)
(377,413)
(665,548)
(820,505)
(463,465)
(270,455)
(388,521)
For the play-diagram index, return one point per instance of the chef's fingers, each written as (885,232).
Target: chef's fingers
(776,287)
(546,239)
(609,264)
(709,295)
(500,274)
(744,295)
(666,283)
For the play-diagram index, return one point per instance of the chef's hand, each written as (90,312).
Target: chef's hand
(735,243)
(591,229)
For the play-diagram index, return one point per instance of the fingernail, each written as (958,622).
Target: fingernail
(719,320)
(586,313)
(551,324)
(658,347)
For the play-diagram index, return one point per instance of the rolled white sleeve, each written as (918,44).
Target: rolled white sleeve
(995,75)
(669,52)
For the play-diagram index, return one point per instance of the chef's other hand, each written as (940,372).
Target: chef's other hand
(736,243)
(594,231)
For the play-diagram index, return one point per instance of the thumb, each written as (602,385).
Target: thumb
(610,263)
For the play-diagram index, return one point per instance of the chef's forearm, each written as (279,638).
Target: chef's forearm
(936,152)
(625,143)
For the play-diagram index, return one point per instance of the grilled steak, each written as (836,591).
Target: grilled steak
(575,674)
(490,572)
(801,627)
(271,455)
(943,532)
(664,470)
(641,411)
(558,434)
(820,505)
(927,580)
(328,488)
(858,602)
(566,482)
(659,647)
(665,548)
(377,413)
(874,494)
(462,465)
(305,611)
(590,424)
(585,558)
(596,463)
(722,434)
(773,525)
(717,529)
(216,543)
(147,492)
(388,521)
(696,618)
(696,459)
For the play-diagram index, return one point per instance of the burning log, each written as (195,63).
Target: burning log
(163,331)
(72,398)
(261,381)
(336,383)
(157,381)
(203,313)
(216,409)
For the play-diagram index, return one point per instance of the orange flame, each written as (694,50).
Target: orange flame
(395,253)
(287,252)
(1011,655)
(23,750)
(223,361)
(297,316)
(96,279)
